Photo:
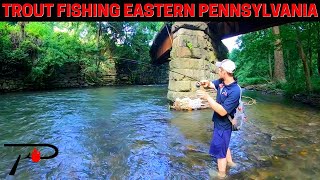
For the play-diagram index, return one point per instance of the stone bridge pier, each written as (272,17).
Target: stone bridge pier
(195,49)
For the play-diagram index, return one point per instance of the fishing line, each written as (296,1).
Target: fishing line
(151,65)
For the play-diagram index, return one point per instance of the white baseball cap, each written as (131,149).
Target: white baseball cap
(227,65)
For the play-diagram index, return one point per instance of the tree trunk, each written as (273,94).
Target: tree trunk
(289,67)
(304,61)
(22,30)
(270,66)
(309,49)
(279,73)
(99,32)
(318,60)
(310,60)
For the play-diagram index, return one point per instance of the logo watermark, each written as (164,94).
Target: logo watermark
(35,156)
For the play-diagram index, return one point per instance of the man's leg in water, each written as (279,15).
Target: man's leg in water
(222,166)
(229,159)
(219,148)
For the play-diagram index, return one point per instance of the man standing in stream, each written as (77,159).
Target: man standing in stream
(228,95)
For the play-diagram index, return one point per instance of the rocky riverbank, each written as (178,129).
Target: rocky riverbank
(69,75)
(73,75)
(265,88)
(312,100)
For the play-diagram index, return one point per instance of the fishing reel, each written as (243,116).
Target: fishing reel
(198,84)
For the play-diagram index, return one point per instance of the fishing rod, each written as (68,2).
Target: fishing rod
(198,84)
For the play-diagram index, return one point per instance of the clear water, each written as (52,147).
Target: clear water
(129,133)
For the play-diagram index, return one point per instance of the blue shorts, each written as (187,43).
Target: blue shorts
(220,143)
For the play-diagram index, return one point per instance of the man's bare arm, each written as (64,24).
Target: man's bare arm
(216,107)
(213,104)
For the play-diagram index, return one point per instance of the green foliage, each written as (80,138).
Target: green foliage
(189,45)
(251,81)
(42,46)
(136,41)
(255,57)
(39,30)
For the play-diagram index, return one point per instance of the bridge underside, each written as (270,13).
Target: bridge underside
(230,29)
(191,48)
(162,45)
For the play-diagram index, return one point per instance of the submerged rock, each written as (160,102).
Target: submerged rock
(303,152)
(312,124)
(286,128)
(263,158)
